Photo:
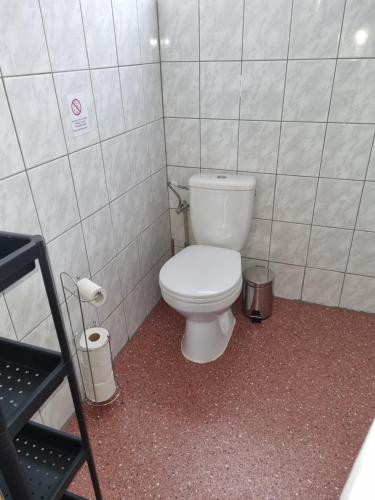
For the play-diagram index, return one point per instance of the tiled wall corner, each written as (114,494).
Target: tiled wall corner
(99,199)
(282,90)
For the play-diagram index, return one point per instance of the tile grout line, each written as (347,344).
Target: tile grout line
(199,85)
(280,130)
(356,220)
(162,105)
(240,90)
(323,146)
(94,68)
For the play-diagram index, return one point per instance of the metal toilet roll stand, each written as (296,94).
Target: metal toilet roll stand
(74,290)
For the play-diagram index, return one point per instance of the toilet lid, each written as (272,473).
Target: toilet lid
(202,272)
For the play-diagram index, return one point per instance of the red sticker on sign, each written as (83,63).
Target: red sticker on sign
(76,106)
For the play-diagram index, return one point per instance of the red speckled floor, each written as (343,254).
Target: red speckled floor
(280,415)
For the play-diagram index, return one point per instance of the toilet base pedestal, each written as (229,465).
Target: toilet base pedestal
(207,335)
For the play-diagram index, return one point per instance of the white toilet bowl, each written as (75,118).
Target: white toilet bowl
(202,282)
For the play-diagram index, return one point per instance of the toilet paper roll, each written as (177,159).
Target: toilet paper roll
(96,364)
(90,291)
(103,391)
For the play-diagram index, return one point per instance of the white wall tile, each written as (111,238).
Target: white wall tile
(308,90)
(17,210)
(181,89)
(148,30)
(371,167)
(100,249)
(131,78)
(99,32)
(145,215)
(127,33)
(59,407)
(289,243)
(159,193)
(7,329)
(322,287)
(54,196)
(315,28)
(44,335)
(220,89)
(129,267)
(27,303)
(107,94)
(258,243)
(179,30)
(183,142)
(125,219)
(152,92)
(265,187)
(10,154)
(358,293)
(288,280)
(154,242)
(89,180)
(301,146)
(329,248)
(23,48)
(219,140)
(151,289)
(68,254)
(347,150)
(116,326)
(156,145)
(366,215)
(220,30)
(262,90)
(337,203)
(266,29)
(108,278)
(294,198)
(37,119)
(258,146)
(64,32)
(138,153)
(362,254)
(353,99)
(67,85)
(120,175)
(358,38)
(135,309)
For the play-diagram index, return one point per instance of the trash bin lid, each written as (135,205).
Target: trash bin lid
(258,276)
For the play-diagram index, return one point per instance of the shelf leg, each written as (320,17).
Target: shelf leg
(65,352)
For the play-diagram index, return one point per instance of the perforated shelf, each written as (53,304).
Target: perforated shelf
(28,375)
(50,459)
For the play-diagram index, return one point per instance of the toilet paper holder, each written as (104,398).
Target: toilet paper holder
(70,286)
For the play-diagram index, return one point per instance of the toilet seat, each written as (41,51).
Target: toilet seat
(202,274)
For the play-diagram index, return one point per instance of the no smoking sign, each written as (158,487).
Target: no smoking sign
(76,107)
(78,114)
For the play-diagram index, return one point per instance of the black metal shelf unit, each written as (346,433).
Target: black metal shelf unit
(36,462)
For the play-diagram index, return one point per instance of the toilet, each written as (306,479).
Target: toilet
(203,281)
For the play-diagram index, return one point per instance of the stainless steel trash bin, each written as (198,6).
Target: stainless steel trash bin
(257,294)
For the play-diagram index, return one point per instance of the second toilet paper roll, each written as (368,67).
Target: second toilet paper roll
(96,363)
(90,291)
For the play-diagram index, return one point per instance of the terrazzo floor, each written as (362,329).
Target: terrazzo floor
(280,415)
